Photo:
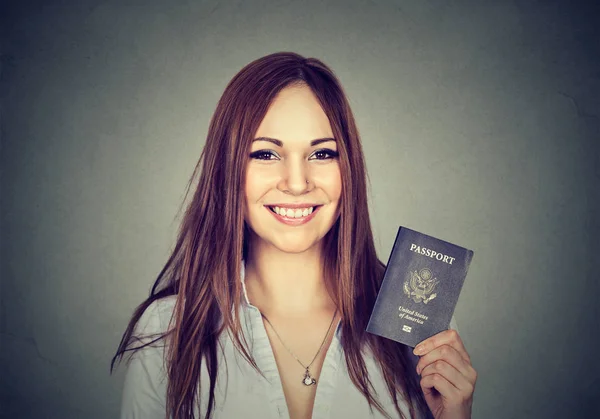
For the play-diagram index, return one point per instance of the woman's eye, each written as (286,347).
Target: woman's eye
(263,155)
(325,154)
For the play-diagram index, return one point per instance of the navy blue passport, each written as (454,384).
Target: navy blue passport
(420,288)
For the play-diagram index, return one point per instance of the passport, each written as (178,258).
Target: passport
(420,288)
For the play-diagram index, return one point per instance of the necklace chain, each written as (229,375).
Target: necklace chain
(306,367)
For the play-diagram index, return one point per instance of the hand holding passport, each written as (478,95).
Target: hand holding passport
(420,288)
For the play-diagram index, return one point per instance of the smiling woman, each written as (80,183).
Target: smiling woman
(261,310)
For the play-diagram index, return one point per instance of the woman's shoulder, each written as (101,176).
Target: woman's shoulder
(156,318)
(145,384)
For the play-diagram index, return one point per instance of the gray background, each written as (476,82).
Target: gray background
(480,126)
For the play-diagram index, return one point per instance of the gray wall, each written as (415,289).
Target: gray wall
(480,126)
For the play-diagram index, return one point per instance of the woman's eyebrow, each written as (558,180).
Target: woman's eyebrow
(279,143)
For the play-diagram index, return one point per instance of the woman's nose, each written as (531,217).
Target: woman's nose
(295,177)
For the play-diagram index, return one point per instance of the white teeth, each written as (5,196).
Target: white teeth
(293,213)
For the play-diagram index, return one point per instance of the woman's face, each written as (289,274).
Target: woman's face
(293,144)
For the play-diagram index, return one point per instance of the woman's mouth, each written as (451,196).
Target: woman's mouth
(293,216)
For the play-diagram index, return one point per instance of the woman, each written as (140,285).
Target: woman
(262,307)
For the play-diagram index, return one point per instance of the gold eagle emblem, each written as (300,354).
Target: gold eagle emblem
(420,285)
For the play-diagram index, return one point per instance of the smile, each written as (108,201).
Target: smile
(293,216)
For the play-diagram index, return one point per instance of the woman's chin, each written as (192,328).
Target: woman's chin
(292,242)
(294,247)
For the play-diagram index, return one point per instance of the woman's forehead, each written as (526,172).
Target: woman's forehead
(295,115)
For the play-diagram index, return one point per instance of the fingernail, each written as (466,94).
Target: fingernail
(418,350)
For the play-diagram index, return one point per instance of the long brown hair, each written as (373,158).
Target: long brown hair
(204,267)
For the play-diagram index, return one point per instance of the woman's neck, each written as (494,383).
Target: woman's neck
(286,284)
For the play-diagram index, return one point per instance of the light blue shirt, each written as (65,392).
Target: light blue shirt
(240,391)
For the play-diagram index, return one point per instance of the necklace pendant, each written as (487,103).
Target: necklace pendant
(308,380)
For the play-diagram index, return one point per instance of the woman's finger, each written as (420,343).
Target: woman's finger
(447,337)
(451,394)
(451,356)
(452,375)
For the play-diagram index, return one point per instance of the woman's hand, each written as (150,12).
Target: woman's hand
(447,377)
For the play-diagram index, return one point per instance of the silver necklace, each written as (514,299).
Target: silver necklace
(307,380)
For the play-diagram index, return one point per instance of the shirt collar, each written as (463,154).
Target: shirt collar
(245,301)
